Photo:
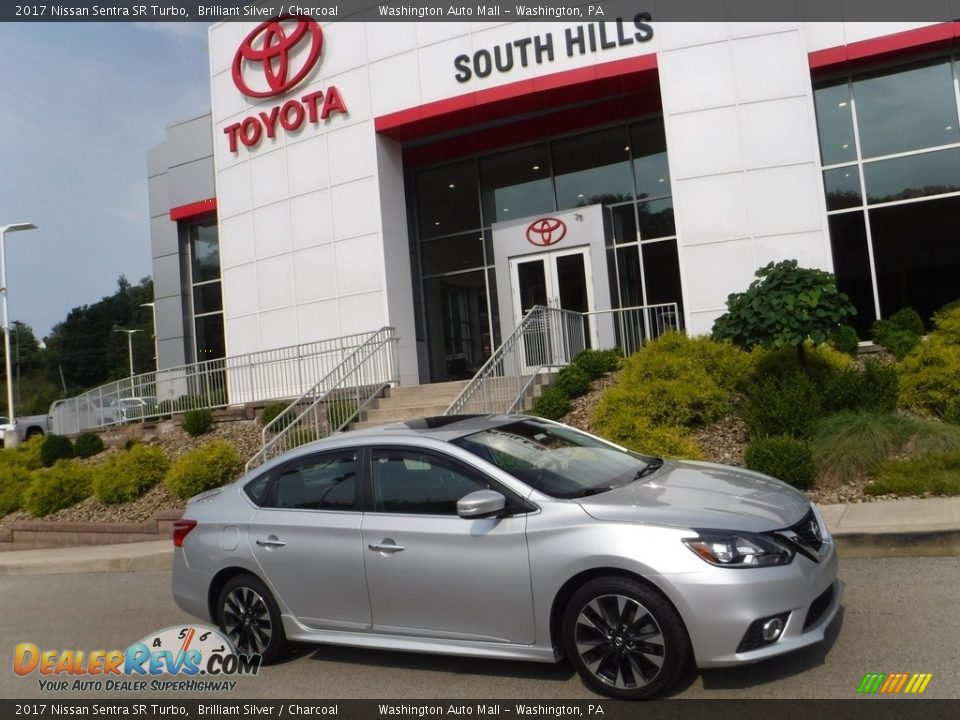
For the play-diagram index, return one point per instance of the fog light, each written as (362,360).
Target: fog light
(772,629)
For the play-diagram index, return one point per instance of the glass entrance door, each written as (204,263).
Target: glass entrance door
(559,279)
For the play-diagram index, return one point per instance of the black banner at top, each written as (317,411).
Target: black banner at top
(208,11)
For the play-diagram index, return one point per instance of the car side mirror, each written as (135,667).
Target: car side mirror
(481,504)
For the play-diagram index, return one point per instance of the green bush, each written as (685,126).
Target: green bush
(553,404)
(638,435)
(13,481)
(909,319)
(894,338)
(850,445)
(26,455)
(846,340)
(675,381)
(937,474)
(952,414)
(274,410)
(209,466)
(572,381)
(944,309)
(787,404)
(874,387)
(128,475)
(197,422)
(338,412)
(820,363)
(55,447)
(930,373)
(597,363)
(87,445)
(783,457)
(54,488)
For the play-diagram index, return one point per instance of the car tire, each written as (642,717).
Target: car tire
(625,639)
(250,617)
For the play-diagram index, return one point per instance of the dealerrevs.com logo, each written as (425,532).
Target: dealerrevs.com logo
(277,56)
(199,658)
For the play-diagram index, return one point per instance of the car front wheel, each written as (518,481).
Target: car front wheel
(249,616)
(624,639)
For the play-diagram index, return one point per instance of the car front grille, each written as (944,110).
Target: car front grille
(809,530)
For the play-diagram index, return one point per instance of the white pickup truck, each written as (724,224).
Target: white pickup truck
(27,426)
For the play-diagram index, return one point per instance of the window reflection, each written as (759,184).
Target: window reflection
(913,176)
(835,123)
(843,187)
(651,170)
(516,184)
(593,168)
(448,199)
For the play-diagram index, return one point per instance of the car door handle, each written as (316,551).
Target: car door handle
(270,542)
(387,545)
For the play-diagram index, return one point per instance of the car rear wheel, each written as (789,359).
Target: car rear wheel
(624,639)
(249,616)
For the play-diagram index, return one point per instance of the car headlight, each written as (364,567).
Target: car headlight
(739,550)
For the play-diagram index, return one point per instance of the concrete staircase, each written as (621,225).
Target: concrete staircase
(410,401)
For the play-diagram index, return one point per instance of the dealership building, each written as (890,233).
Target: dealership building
(442,178)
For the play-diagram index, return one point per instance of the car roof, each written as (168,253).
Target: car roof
(440,427)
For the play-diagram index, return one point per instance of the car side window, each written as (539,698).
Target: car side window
(408,481)
(319,482)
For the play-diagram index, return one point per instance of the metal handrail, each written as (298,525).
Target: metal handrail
(357,379)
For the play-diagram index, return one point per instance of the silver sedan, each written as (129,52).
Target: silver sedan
(510,537)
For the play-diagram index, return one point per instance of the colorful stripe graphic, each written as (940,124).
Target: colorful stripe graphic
(894,683)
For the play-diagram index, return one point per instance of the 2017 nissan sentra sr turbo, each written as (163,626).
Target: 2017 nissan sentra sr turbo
(510,537)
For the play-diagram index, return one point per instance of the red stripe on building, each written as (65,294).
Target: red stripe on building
(924,38)
(195,209)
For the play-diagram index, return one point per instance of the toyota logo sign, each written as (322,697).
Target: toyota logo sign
(546,231)
(270,48)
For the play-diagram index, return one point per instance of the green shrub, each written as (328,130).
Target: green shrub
(209,466)
(874,387)
(675,381)
(937,474)
(846,340)
(55,447)
(338,412)
(638,435)
(850,445)
(783,457)
(128,475)
(896,339)
(952,414)
(553,404)
(787,404)
(274,410)
(944,309)
(87,445)
(572,381)
(930,373)
(26,455)
(597,363)
(820,363)
(54,488)
(909,319)
(13,481)
(197,422)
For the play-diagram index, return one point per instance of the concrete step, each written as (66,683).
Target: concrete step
(391,414)
(452,388)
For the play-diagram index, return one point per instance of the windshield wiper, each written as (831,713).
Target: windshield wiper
(649,469)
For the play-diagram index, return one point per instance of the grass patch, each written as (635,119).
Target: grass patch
(851,445)
(937,474)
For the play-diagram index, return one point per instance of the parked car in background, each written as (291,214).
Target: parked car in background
(26,427)
(127,409)
(510,537)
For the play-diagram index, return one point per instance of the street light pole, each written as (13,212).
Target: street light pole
(10,437)
(129,345)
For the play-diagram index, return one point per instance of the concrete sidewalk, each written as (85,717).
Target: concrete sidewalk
(885,528)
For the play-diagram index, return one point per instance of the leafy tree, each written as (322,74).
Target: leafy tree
(783,307)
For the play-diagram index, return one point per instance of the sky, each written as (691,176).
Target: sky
(80,106)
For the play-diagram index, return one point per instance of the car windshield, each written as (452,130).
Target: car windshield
(557,460)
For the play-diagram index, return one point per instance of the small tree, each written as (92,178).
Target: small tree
(783,307)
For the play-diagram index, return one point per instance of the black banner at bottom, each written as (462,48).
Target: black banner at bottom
(148,709)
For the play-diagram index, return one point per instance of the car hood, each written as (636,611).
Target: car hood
(702,495)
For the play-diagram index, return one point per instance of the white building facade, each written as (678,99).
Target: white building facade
(441,178)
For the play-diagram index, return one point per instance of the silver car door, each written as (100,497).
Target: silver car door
(431,573)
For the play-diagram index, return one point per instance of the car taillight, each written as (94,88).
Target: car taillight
(180,530)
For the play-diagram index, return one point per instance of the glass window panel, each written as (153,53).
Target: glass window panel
(494,308)
(661,273)
(851,263)
(210,345)
(906,110)
(407,481)
(448,199)
(624,224)
(461,252)
(913,176)
(650,168)
(458,325)
(593,168)
(656,219)
(516,184)
(835,123)
(204,253)
(842,186)
(917,255)
(572,282)
(532,284)
(207,298)
(325,482)
(628,268)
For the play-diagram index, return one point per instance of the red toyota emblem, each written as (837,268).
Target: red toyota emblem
(546,231)
(271,44)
